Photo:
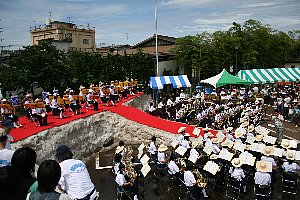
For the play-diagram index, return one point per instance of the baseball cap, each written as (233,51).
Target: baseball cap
(62,150)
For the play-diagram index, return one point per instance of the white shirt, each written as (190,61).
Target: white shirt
(262,178)
(180,138)
(185,144)
(120,179)
(173,168)
(269,159)
(152,148)
(75,179)
(237,173)
(293,167)
(161,157)
(189,179)
(5,157)
(169,102)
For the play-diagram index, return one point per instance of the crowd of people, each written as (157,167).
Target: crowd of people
(232,157)
(223,105)
(64,178)
(38,109)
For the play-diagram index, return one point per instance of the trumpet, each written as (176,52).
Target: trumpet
(201,180)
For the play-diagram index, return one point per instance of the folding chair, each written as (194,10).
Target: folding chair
(233,189)
(262,191)
(290,185)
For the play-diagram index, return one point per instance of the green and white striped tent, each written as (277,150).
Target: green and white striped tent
(262,76)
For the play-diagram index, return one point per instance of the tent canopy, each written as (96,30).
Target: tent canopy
(224,78)
(261,76)
(158,82)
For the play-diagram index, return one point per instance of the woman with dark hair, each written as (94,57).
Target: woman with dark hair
(10,183)
(24,160)
(48,176)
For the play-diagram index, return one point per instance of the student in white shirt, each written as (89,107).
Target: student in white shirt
(125,183)
(75,179)
(261,176)
(161,157)
(290,168)
(237,173)
(152,148)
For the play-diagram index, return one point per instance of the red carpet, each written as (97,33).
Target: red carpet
(128,112)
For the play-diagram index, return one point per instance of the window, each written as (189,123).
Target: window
(85,41)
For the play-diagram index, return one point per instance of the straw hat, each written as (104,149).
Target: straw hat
(229,129)
(286,144)
(181,129)
(244,124)
(251,128)
(215,140)
(209,134)
(227,143)
(238,133)
(213,157)
(258,138)
(195,144)
(268,151)
(248,147)
(290,156)
(119,149)
(236,162)
(262,166)
(242,120)
(162,147)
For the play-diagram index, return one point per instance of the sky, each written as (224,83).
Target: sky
(132,21)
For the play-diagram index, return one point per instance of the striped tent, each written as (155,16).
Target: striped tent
(262,76)
(158,82)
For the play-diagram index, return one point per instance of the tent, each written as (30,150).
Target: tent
(158,82)
(224,78)
(261,76)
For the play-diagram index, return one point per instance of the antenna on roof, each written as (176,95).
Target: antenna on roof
(50,15)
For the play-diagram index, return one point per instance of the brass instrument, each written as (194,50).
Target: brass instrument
(129,169)
(201,181)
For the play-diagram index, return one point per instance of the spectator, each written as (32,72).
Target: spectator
(75,179)
(10,183)
(5,154)
(24,160)
(48,176)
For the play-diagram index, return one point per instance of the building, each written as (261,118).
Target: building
(65,36)
(166,62)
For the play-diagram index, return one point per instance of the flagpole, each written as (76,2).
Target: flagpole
(156,48)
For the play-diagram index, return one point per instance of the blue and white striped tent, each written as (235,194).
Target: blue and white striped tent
(262,76)
(158,82)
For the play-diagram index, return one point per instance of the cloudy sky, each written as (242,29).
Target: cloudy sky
(131,21)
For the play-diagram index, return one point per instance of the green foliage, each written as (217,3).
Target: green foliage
(252,43)
(45,66)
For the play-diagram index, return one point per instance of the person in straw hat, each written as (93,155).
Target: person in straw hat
(215,145)
(161,156)
(290,168)
(237,173)
(268,152)
(181,132)
(261,176)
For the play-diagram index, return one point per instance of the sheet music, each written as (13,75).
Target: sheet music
(291,151)
(145,169)
(175,143)
(293,143)
(239,146)
(141,147)
(269,139)
(196,131)
(225,155)
(297,156)
(211,167)
(250,140)
(220,135)
(200,139)
(181,150)
(247,160)
(278,152)
(193,158)
(140,155)
(208,149)
(144,160)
